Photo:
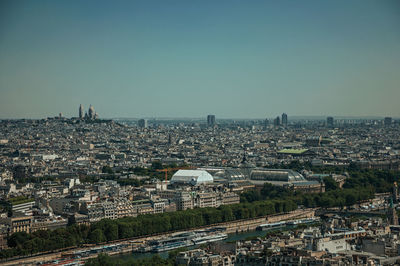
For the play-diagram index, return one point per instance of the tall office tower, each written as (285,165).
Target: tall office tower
(266,123)
(91,112)
(387,121)
(277,121)
(80,111)
(329,121)
(142,123)
(284,119)
(211,120)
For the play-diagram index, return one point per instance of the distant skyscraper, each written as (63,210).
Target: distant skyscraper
(142,123)
(211,120)
(329,121)
(266,123)
(387,121)
(284,119)
(80,111)
(277,121)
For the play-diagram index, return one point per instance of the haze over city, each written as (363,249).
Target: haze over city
(212,132)
(235,59)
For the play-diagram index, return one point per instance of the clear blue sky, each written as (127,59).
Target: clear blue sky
(241,59)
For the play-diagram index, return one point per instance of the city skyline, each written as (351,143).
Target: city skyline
(228,58)
(223,132)
(91,114)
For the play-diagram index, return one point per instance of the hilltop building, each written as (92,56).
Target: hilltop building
(80,111)
(91,114)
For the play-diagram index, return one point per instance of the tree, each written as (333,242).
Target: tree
(250,196)
(156,165)
(111,230)
(18,239)
(97,236)
(107,170)
(350,199)
(330,183)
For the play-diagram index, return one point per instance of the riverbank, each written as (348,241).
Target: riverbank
(233,227)
(231,237)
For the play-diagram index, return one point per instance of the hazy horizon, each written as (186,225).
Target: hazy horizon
(234,59)
(204,118)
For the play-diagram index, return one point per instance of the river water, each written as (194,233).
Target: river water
(231,237)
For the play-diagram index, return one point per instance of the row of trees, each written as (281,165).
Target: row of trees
(106,230)
(332,198)
(382,181)
(361,185)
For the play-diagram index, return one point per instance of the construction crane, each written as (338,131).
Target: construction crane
(166,170)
